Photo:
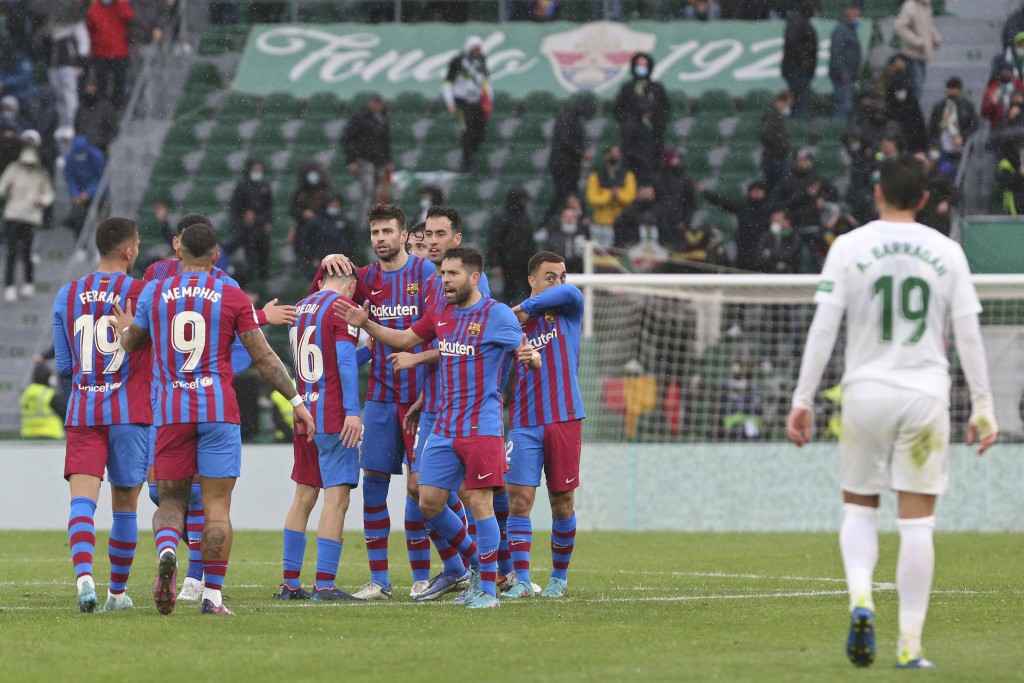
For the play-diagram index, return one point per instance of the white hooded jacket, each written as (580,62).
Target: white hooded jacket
(26,186)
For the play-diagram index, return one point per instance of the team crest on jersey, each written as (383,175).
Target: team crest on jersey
(412,289)
(474,329)
(549,316)
(593,57)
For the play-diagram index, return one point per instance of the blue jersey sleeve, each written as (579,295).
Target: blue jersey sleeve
(506,330)
(568,299)
(61,344)
(240,358)
(145,305)
(484,286)
(363,355)
(348,370)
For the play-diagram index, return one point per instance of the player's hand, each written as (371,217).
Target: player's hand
(523,317)
(354,316)
(352,431)
(123,316)
(403,360)
(279,314)
(302,415)
(525,352)
(983,430)
(798,426)
(338,264)
(412,417)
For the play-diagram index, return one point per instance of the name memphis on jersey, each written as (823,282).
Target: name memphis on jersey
(197,292)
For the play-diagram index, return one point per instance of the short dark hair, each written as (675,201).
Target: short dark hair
(903,180)
(380,213)
(542,257)
(784,96)
(446,212)
(198,240)
(112,232)
(471,257)
(193,219)
(419,227)
(955,82)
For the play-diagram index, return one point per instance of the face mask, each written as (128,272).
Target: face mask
(641,71)
(313,178)
(568,228)
(934,155)
(855,23)
(786,111)
(1019,51)
(255,177)
(424,204)
(855,147)
(739,384)
(334,211)
(81,157)
(776,228)
(901,95)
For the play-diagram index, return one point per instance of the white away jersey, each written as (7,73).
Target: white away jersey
(899,284)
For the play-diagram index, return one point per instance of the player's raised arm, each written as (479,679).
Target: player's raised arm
(360,317)
(568,298)
(279,314)
(526,355)
(274,373)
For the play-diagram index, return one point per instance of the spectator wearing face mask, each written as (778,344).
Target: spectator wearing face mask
(904,109)
(943,195)
(429,195)
(107,21)
(860,192)
(800,55)
(1001,89)
(775,140)
(701,10)
(10,131)
(329,232)
(252,211)
(753,214)
(844,58)
(309,198)
(566,235)
(83,170)
(27,189)
(467,95)
(780,248)
(367,145)
(642,101)
(1014,56)
(675,188)
(642,221)
(97,118)
(610,189)
(954,120)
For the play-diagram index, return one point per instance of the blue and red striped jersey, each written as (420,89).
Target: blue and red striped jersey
(473,342)
(192,319)
(172,267)
(109,386)
(397,300)
(324,357)
(551,394)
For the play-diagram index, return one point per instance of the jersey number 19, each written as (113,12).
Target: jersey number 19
(914,294)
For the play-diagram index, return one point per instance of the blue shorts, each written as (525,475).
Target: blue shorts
(385,445)
(477,460)
(211,449)
(152,447)
(325,462)
(120,449)
(553,448)
(423,430)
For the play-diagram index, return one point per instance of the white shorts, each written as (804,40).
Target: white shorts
(893,439)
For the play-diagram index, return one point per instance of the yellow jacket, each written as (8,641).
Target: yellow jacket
(38,419)
(607,203)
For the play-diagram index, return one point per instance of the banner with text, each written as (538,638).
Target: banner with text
(560,57)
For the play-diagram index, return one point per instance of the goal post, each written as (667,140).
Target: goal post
(715,358)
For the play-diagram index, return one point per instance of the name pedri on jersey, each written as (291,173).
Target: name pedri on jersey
(109,386)
(551,394)
(473,343)
(899,284)
(192,319)
(324,352)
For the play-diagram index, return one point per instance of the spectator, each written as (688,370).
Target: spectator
(642,102)
(702,10)
(800,193)
(775,140)
(329,232)
(610,189)
(569,150)
(97,118)
(953,121)
(690,246)
(1014,24)
(895,68)
(780,248)
(16,73)
(467,94)
(741,404)
(42,411)
(310,196)
(860,192)
(844,58)
(26,186)
(69,47)
(511,245)
(904,109)
(752,219)
(367,145)
(800,56)
(1010,180)
(252,212)
(10,131)
(107,21)
(674,189)
(1014,56)
(642,221)
(943,195)
(163,223)
(641,150)
(996,100)
(748,10)
(429,195)
(45,120)
(919,38)
(597,10)
(153,19)
(566,234)
(83,170)
(15,26)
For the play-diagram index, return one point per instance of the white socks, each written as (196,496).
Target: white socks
(858,542)
(82,580)
(213,596)
(914,570)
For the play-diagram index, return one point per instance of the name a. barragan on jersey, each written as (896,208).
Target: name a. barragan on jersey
(191,292)
(391,312)
(448,348)
(92,296)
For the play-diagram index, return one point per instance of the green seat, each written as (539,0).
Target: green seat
(705,134)
(540,103)
(202,197)
(503,106)
(518,163)
(410,102)
(322,106)
(280,107)
(529,132)
(212,44)
(443,131)
(213,169)
(757,100)
(739,162)
(204,78)
(679,104)
(169,169)
(799,133)
(267,139)
(716,101)
(193,106)
(402,139)
(225,138)
(238,107)
(357,102)
(747,129)
(696,163)
(181,138)
(312,136)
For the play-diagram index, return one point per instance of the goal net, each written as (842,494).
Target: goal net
(715,358)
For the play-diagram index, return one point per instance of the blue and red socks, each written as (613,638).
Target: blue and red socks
(417,542)
(214,572)
(520,539)
(82,535)
(376,527)
(167,538)
(124,536)
(563,537)
(449,527)
(455,503)
(470,523)
(194,532)
(328,557)
(488,537)
(501,514)
(294,551)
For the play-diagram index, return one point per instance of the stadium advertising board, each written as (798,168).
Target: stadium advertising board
(560,57)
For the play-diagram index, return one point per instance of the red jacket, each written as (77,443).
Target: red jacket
(108,28)
(993,111)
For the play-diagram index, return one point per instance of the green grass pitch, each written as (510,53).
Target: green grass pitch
(642,607)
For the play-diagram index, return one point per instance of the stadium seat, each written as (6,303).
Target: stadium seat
(267,139)
(193,106)
(204,78)
(311,136)
(442,132)
(181,138)
(503,105)
(225,137)
(716,101)
(357,102)
(280,107)
(410,103)
(203,195)
(756,101)
(704,134)
(322,106)
(540,104)
(696,163)
(238,107)
(519,162)
(739,161)
(679,104)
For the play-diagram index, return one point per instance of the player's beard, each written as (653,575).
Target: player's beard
(461,294)
(390,255)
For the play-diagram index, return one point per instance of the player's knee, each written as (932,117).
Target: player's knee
(519,503)
(562,505)
(429,507)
